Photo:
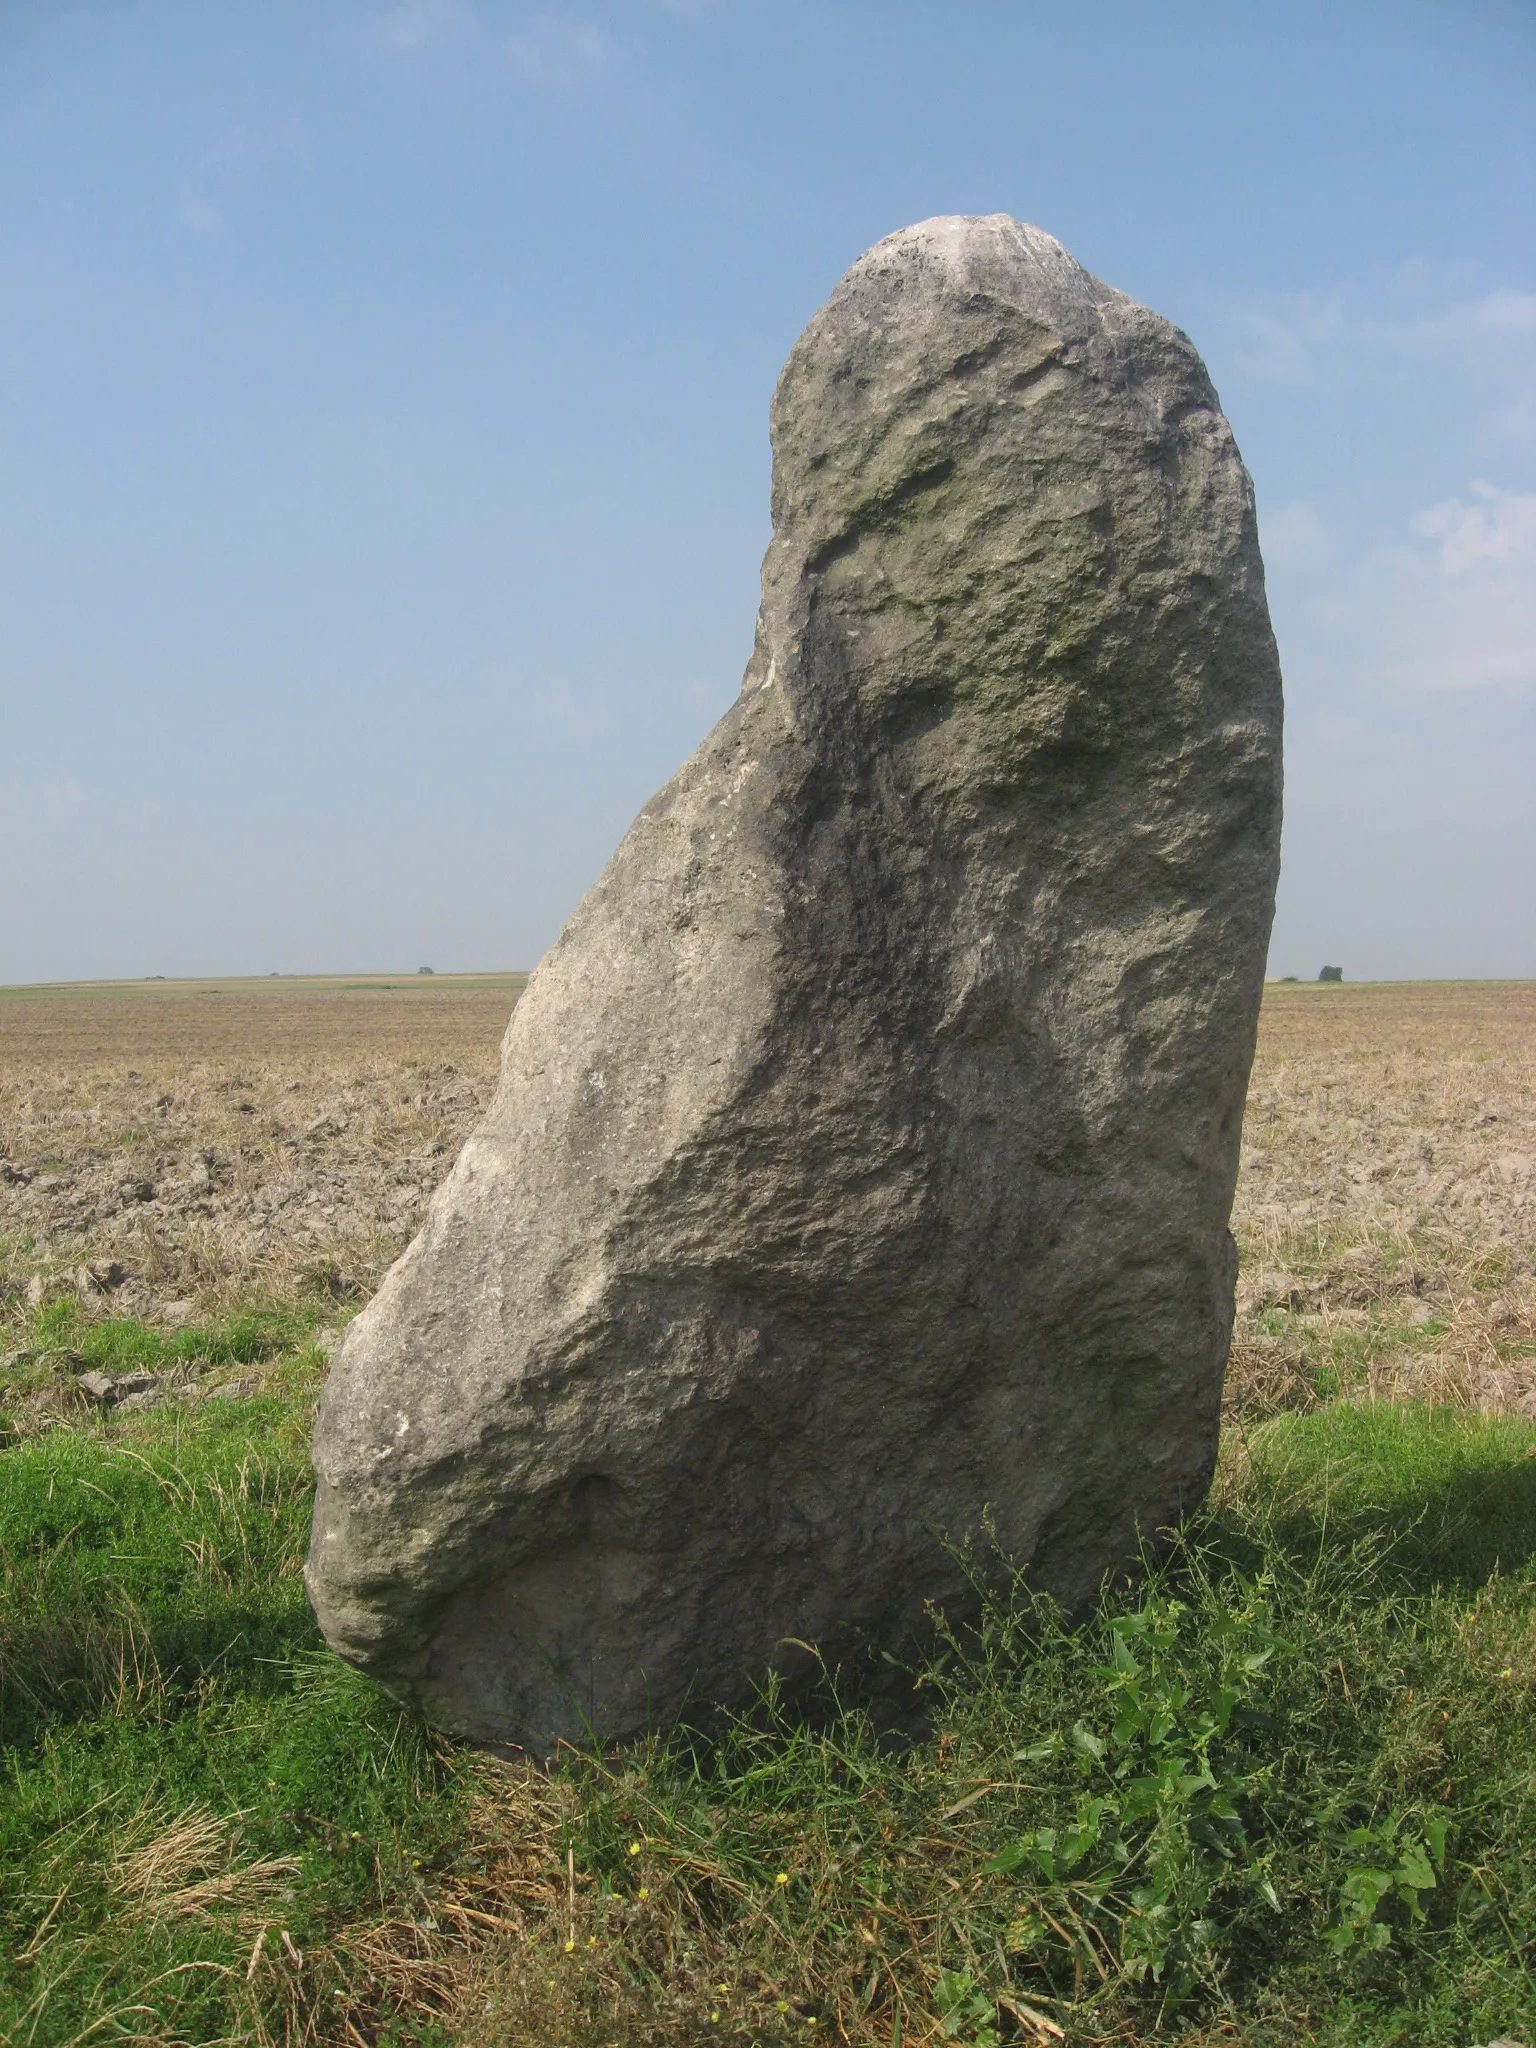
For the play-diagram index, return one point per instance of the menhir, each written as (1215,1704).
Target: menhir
(864,1147)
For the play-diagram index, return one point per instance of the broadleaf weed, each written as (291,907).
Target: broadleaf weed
(1157,1828)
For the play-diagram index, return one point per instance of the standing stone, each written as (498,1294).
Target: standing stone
(865,1144)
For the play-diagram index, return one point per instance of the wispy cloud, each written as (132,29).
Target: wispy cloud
(235,159)
(1442,599)
(1293,533)
(1445,604)
(1463,616)
(1296,335)
(549,48)
(31,806)
(1324,338)
(584,717)
(558,53)
(414,22)
(1497,526)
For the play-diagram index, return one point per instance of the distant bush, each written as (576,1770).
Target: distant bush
(1331,974)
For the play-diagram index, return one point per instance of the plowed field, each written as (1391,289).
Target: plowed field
(171,1150)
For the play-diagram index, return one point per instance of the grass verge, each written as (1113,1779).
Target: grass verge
(1280,1790)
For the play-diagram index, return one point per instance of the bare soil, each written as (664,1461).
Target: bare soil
(1386,1206)
(169,1150)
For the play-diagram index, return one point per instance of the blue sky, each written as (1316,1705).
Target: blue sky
(383,429)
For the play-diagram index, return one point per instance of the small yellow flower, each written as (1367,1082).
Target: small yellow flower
(634,1848)
(644,1892)
(569,1946)
(714,2016)
(782,1878)
(591,1941)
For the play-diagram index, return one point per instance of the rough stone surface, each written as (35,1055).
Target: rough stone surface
(864,1147)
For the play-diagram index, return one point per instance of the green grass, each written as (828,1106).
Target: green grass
(158,1661)
(1284,1786)
(39,1380)
(123,1344)
(1451,1498)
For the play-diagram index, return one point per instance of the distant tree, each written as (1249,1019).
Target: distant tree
(1331,974)
(427,970)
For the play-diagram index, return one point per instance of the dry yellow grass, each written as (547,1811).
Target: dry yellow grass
(186,1866)
(168,1149)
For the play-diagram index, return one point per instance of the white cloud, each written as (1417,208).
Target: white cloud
(1502,317)
(558,53)
(1463,616)
(1292,533)
(1444,599)
(1405,610)
(231,164)
(1447,603)
(1340,732)
(1500,528)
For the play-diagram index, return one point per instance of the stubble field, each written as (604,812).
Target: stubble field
(172,1152)
(169,1151)
(1280,1791)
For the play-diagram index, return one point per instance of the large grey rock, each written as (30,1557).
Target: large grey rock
(865,1144)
